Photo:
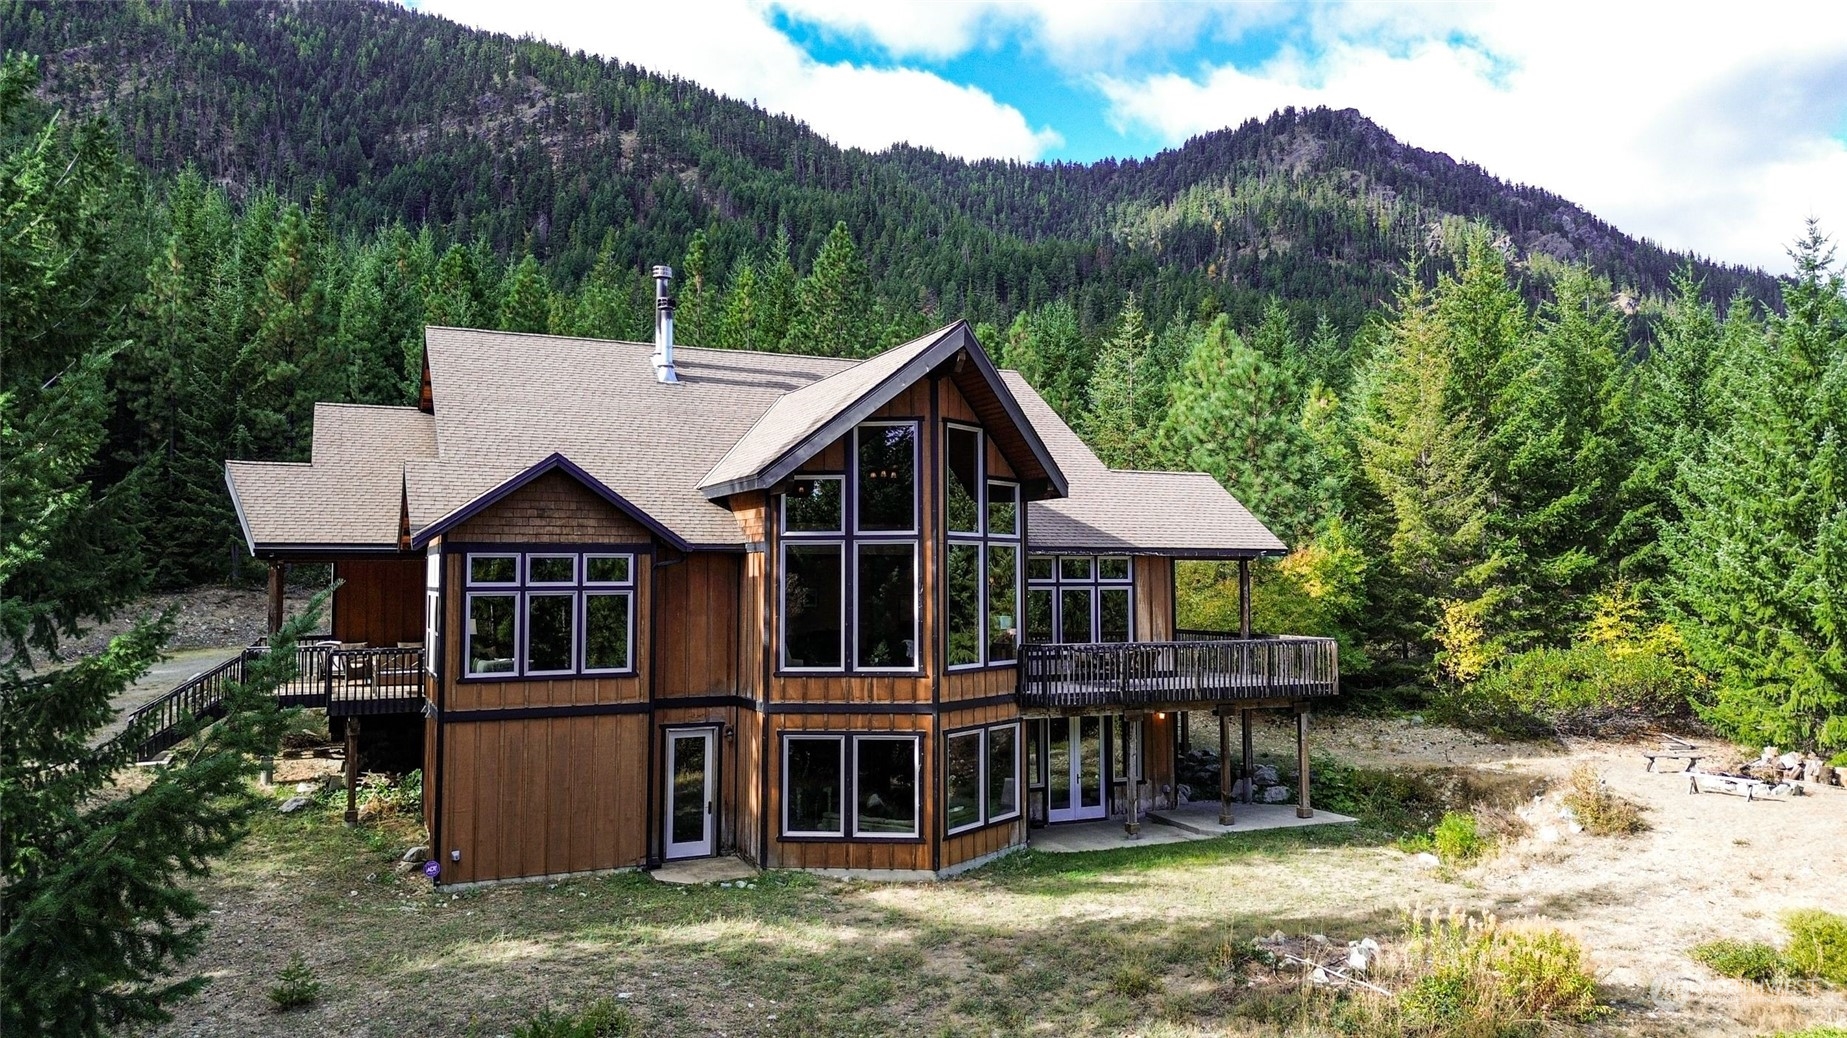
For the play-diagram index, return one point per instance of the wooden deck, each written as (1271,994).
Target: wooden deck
(344,682)
(1165,674)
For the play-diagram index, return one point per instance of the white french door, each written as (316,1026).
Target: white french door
(1076,770)
(691,789)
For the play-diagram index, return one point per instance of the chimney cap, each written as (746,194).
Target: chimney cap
(663,271)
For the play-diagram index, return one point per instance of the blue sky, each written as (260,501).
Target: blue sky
(1712,129)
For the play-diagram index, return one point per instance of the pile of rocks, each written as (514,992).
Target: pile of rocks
(1199,780)
(1774,767)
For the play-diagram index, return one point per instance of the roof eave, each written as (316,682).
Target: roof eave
(956,337)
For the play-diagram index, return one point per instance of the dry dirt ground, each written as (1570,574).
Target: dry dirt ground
(1035,945)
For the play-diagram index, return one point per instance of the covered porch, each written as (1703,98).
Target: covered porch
(1107,723)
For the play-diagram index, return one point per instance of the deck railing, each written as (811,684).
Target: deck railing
(344,682)
(1183,671)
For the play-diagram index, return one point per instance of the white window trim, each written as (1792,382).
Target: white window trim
(583,643)
(782,608)
(1019,604)
(1019,509)
(916,785)
(573,600)
(840,785)
(916,461)
(782,508)
(1096,567)
(981,605)
(529,557)
(468,634)
(468,569)
(980,735)
(1019,775)
(917,648)
(629,562)
(981,480)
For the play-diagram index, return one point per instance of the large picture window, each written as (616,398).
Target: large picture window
(981,560)
(981,777)
(849,580)
(840,785)
(1079,598)
(548,613)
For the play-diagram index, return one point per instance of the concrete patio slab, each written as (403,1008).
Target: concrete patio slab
(1202,816)
(1197,821)
(704,870)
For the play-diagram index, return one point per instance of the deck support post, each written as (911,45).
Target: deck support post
(1244,598)
(1302,807)
(1133,826)
(352,771)
(276,570)
(1224,766)
(1247,765)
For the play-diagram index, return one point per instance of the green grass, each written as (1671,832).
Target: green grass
(1141,939)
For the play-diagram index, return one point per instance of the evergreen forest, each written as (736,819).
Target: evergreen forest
(1529,468)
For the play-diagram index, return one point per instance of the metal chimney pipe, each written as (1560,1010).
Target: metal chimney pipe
(663,325)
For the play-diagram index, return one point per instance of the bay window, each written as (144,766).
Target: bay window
(981,777)
(981,558)
(849,580)
(548,613)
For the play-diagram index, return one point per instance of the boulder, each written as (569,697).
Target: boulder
(294,804)
(1264,774)
(416,854)
(1273,795)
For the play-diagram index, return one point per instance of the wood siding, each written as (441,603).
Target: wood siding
(379,601)
(881,854)
(1154,598)
(543,796)
(697,633)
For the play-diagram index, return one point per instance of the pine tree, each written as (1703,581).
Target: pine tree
(1048,347)
(94,917)
(291,361)
(741,326)
(833,303)
(775,292)
(453,296)
(525,298)
(1755,566)
(1422,457)
(1671,418)
(1561,431)
(605,307)
(1125,401)
(1234,415)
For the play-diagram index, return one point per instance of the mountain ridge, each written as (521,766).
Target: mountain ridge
(405,117)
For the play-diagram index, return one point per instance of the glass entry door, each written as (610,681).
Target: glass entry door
(690,792)
(1075,770)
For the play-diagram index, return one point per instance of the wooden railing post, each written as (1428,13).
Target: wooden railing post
(1247,766)
(1303,809)
(352,771)
(1224,765)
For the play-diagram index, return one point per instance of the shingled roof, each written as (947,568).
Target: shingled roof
(1121,511)
(508,405)
(350,497)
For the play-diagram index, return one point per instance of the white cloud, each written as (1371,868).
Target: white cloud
(1712,134)
(733,48)
(1085,35)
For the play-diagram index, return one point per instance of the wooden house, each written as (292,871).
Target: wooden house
(873,616)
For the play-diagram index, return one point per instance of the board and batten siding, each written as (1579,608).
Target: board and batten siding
(525,796)
(883,854)
(990,839)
